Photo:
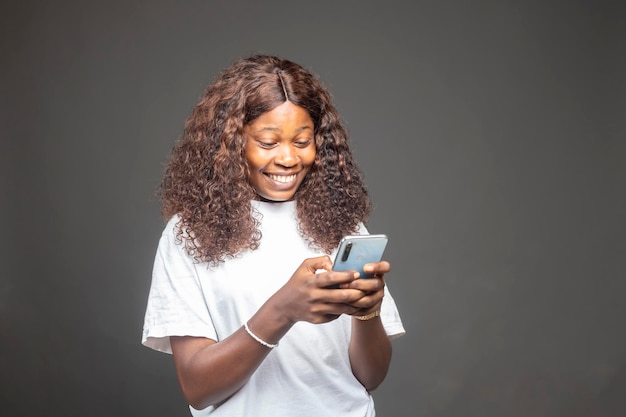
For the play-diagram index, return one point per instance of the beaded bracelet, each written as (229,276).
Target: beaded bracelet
(368,316)
(258,339)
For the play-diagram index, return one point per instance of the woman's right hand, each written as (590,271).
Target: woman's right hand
(307,296)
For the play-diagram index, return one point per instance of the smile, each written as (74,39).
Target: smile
(283,179)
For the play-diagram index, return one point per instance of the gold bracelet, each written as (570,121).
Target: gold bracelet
(368,316)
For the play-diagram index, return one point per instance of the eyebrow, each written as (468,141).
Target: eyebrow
(277,129)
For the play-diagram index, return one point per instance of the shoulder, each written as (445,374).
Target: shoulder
(171,237)
(173,229)
(171,226)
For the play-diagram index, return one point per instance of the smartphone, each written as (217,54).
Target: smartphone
(357,250)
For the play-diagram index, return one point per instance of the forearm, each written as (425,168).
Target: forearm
(210,373)
(370,352)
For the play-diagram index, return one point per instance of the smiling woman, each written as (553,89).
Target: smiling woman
(280,151)
(207,182)
(257,194)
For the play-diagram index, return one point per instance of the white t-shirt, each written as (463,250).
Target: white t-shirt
(309,373)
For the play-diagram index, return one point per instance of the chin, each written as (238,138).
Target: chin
(275,199)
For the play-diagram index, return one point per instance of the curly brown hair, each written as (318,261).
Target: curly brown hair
(206,178)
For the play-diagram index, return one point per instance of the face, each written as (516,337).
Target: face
(280,150)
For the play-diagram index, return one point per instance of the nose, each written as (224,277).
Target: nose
(287,156)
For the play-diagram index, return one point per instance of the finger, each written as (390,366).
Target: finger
(381,267)
(336,278)
(345,297)
(368,301)
(337,309)
(366,284)
(325,312)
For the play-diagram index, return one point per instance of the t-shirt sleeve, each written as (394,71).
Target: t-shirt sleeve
(176,306)
(388,311)
(391,317)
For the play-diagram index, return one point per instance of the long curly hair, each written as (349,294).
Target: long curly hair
(206,178)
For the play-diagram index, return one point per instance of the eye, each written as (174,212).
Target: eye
(266,144)
(303,143)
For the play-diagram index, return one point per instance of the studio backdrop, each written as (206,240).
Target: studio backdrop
(490,134)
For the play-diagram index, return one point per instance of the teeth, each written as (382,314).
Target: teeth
(282,178)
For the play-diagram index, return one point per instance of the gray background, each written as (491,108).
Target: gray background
(491,134)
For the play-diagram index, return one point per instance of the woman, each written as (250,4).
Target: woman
(258,192)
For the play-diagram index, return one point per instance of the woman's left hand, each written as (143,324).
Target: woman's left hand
(373,288)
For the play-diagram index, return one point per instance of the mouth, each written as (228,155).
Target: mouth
(282,179)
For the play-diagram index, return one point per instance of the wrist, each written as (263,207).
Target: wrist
(369,316)
(272,317)
(368,313)
(258,339)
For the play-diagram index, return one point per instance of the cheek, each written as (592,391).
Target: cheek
(253,159)
(308,158)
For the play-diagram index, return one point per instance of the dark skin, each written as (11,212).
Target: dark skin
(210,372)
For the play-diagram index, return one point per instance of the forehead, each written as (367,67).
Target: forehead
(286,115)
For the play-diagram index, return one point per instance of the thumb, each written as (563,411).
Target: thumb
(320,262)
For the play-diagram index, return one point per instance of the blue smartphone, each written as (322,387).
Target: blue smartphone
(357,250)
